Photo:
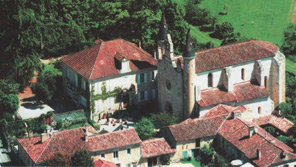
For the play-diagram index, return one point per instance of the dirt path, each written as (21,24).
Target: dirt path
(293,12)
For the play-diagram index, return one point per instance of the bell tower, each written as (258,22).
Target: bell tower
(169,75)
(188,76)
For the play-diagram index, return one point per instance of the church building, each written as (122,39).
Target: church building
(250,73)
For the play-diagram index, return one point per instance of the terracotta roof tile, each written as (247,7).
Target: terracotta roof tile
(196,128)
(223,110)
(156,147)
(233,54)
(241,92)
(236,131)
(279,122)
(104,163)
(98,61)
(113,140)
(72,140)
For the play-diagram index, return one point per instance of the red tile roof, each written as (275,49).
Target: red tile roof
(104,163)
(236,131)
(156,147)
(241,92)
(233,54)
(196,128)
(98,61)
(113,140)
(223,110)
(72,140)
(279,122)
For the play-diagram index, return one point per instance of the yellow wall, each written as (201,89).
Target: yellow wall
(123,157)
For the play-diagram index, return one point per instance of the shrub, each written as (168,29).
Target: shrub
(145,128)
(66,124)
(82,158)
(43,128)
(206,155)
(103,131)
(59,124)
(163,119)
(94,124)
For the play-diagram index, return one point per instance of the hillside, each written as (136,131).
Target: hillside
(258,19)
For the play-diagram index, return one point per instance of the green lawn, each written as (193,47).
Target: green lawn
(290,66)
(203,37)
(258,19)
(193,162)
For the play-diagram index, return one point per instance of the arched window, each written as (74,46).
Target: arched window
(265,82)
(259,110)
(243,74)
(210,80)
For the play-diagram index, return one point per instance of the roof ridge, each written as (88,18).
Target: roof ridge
(47,145)
(267,49)
(231,44)
(97,55)
(139,49)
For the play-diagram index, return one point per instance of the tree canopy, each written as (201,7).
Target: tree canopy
(145,128)
(31,30)
(82,158)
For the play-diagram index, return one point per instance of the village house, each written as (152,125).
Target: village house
(156,152)
(109,76)
(234,134)
(123,148)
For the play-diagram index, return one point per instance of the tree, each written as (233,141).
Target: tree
(46,86)
(289,44)
(161,119)
(286,110)
(218,161)
(145,128)
(59,159)
(224,30)
(206,154)
(9,101)
(82,158)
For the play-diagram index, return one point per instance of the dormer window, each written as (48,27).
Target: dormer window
(210,80)
(121,63)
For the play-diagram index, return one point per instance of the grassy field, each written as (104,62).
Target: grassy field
(290,66)
(203,37)
(193,162)
(258,19)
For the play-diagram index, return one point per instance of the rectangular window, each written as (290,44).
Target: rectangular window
(142,96)
(128,151)
(145,77)
(142,78)
(152,76)
(146,95)
(153,93)
(115,154)
(83,84)
(197,142)
(102,155)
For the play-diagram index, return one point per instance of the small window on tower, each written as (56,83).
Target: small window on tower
(243,74)
(210,80)
(265,82)
(259,110)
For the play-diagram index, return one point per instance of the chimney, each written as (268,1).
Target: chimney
(235,114)
(140,45)
(251,131)
(258,152)
(44,137)
(85,134)
(31,134)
